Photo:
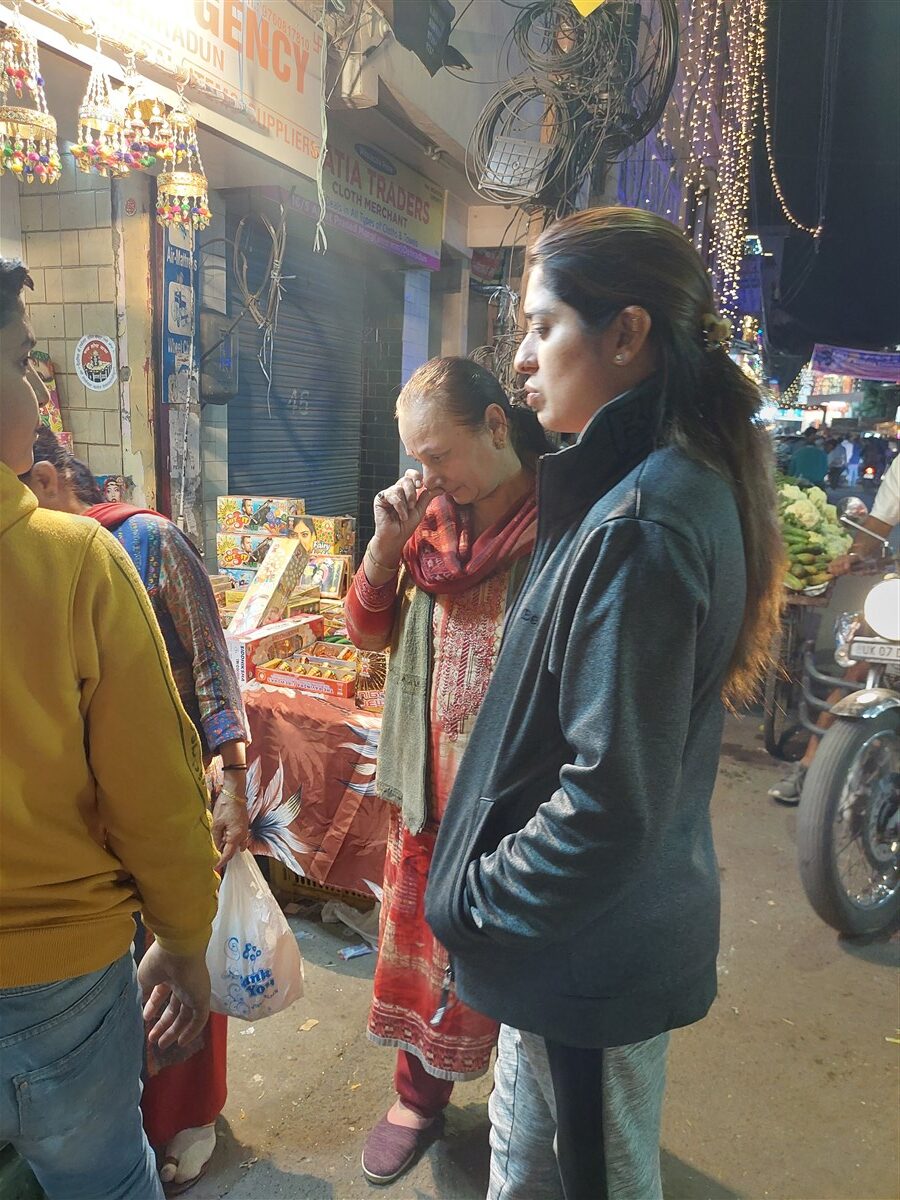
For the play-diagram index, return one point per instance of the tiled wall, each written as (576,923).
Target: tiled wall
(68,246)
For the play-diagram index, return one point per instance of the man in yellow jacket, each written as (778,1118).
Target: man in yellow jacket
(102,812)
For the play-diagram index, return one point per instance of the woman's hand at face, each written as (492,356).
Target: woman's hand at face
(398,511)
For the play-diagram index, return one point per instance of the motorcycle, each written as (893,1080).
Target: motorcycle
(848,820)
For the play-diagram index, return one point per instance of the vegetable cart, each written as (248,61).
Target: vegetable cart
(782,686)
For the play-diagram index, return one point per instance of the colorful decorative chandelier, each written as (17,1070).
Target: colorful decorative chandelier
(181,190)
(103,144)
(145,119)
(27,131)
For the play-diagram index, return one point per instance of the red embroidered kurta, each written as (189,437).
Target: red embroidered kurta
(410,973)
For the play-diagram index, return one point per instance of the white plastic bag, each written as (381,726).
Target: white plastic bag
(253,957)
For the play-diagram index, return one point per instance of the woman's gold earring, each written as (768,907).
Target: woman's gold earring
(620,358)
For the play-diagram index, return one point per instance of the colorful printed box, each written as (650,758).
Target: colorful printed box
(241,551)
(304,600)
(318,676)
(241,577)
(331,573)
(281,640)
(275,582)
(327,535)
(258,514)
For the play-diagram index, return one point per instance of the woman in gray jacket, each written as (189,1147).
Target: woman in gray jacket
(575,882)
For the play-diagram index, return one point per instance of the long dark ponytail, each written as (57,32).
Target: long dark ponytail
(465,391)
(604,259)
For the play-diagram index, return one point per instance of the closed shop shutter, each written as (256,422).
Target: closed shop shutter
(306,440)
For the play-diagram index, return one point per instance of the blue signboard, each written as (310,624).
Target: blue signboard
(179,314)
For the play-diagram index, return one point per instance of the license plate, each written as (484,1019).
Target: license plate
(867,650)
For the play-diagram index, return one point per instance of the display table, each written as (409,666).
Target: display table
(311,787)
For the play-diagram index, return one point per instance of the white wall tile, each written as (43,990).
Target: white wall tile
(80,285)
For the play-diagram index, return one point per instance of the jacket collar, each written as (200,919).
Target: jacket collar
(16,500)
(617,439)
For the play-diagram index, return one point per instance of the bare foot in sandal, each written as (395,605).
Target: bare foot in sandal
(186,1158)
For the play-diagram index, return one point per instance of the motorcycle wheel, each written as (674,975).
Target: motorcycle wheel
(848,826)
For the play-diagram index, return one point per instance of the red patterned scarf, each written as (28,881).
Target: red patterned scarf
(113,514)
(443,558)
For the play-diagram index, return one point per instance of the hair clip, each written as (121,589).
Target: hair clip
(715,331)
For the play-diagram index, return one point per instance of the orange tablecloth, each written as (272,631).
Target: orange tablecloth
(311,787)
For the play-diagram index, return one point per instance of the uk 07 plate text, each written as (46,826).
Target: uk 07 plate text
(872,651)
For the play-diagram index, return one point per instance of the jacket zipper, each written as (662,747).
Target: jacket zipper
(444,1001)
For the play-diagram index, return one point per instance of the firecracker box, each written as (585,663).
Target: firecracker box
(341,651)
(304,600)
(249,651)
(241,551)
(241,577)
(220,584)
(318,676)
(258,514)
(330,573)
(331,535)
(276,580)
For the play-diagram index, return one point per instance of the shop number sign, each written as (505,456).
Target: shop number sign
(95,362)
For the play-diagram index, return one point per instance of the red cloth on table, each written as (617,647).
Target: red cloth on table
(311,787)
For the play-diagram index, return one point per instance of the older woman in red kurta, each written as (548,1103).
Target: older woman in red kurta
(449,553)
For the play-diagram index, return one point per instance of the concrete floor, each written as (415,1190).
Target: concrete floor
(789,1089)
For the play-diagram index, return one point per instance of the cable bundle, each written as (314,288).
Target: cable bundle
(593,86)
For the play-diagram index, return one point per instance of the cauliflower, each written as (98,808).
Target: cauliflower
(816,496)
(790,491)
(831,514)
(804,513)
(815,538)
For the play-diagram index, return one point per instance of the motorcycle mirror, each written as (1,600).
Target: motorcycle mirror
(854,508)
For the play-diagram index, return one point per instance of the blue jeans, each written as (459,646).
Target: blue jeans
(70,1085)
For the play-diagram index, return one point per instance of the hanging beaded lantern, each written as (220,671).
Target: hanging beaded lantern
(181,190)
(103,143)
(27,132)
(147,129)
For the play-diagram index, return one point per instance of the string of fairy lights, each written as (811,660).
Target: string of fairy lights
(768,137)
(710,127)
(740,108)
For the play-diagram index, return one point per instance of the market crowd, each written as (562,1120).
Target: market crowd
(549,747)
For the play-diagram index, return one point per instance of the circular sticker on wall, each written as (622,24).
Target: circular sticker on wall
(95,362)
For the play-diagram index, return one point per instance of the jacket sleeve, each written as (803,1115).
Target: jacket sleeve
(143,751)
(624,666)
(187,596)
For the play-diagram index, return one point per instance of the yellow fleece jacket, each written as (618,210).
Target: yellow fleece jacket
(102,802)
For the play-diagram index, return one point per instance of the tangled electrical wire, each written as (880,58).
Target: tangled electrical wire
(263,302)
(499,355)
(592,87)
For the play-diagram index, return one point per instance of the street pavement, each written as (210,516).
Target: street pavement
(787,1090)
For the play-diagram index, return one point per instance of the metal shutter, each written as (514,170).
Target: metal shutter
(306,442)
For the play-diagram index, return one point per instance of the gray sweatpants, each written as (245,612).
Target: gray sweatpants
(523,1113)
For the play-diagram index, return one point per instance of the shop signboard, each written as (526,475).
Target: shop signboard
(179,313)
(878,365)
(261,57)
(374,197)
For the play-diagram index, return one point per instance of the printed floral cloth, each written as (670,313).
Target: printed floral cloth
(311,787)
